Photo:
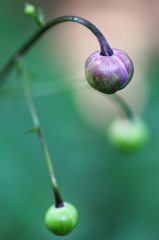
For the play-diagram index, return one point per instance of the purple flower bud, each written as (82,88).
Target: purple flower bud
(109,74)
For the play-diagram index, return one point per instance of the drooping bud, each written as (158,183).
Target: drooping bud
(109,74)
(61,220)
(128,135)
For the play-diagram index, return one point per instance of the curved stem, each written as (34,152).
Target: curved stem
(37,127)
(105,48)
(129,114)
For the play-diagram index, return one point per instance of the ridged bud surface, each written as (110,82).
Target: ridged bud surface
(109,74)
(62,220)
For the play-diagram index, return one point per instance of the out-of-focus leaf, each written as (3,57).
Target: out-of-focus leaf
(31,130)
(43,89)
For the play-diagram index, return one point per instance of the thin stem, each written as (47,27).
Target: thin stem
(37,22)
(126,109)
(105,48)
(23,74)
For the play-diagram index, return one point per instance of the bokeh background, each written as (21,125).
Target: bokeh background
(117,194)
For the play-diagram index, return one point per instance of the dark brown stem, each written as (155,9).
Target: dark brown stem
(105,48)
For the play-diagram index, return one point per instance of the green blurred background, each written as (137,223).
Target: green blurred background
(116,194)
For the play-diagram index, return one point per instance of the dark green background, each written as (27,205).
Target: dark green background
(116,194)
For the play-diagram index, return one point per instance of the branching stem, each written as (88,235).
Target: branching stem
(17,59)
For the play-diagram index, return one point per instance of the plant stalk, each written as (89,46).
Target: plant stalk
(105,48)
(37,128)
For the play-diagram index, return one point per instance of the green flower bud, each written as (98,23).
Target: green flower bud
(128,135)
(29,10)
(61,220)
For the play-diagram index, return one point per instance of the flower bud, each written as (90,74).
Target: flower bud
(61,220)
(128,135)
(29,9)
(109,74)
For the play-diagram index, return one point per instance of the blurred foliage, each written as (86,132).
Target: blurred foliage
(116,194)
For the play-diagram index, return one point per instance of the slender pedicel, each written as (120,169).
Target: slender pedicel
(124,106)
(105,48)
